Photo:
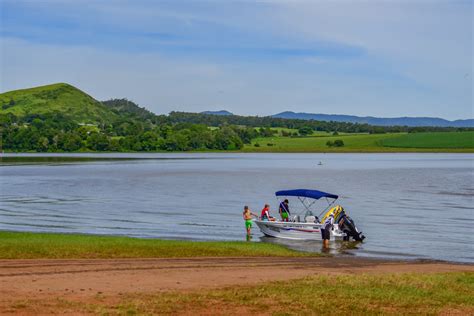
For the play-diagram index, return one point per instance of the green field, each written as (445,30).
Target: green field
(15,245)
(432,140)
(390,142)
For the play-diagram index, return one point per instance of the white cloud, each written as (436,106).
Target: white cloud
(418,57)
(429,41)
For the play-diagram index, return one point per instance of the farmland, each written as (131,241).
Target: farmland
(389,142)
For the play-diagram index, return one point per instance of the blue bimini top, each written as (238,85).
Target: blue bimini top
(314,194)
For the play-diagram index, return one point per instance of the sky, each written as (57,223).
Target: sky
(367,58)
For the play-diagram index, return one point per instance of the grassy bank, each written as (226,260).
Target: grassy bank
(341,295)
(390,142)
(397,294)
(16,245)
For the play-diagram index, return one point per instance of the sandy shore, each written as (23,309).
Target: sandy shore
(86,280)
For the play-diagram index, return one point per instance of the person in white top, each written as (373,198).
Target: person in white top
(326,230)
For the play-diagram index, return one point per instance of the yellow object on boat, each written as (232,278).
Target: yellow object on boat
(336,210)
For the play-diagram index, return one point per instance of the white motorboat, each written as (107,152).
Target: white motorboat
(307,226)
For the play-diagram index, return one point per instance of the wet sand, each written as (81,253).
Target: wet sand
(85,280)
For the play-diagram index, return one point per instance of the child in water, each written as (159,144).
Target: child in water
(247,214)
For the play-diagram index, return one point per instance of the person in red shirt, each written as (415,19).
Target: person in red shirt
(265,215)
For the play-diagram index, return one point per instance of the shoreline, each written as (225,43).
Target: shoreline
(275,250)
(350,151)
(92,285)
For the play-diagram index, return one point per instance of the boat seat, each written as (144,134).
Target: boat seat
(310,219)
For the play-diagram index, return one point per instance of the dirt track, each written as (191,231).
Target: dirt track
(83,280)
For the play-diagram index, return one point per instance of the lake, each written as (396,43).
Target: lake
(407,205)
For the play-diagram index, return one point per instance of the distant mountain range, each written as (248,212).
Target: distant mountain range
(82,108)
(221,112)
(378,121)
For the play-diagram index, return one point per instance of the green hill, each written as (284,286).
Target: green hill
(129,109)
(56,98)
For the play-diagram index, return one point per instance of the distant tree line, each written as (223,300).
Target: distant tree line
(56,132)
(137,129)
(308,125)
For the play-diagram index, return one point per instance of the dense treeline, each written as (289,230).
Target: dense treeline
(55,132)
(268,121)
(124,106)
(137,129)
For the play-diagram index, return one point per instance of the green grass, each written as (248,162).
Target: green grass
(16,245)
(432,140)
(283,129)
(395,294)
(59,97)
(436,142)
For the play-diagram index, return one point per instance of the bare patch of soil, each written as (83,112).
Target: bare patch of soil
(61,286)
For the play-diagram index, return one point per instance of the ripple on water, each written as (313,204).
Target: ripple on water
(406,204)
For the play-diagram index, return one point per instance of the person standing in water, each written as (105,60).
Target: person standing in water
(247,215)
(326,230)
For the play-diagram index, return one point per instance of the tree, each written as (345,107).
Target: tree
(227,139)
(98,142)
(267,132)
(72,142)
(176,142)
(43,143)
(305,130)
(150,141)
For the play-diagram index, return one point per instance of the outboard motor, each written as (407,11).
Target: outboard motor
(347,225)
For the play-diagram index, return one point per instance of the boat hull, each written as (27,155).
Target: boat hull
(295,231)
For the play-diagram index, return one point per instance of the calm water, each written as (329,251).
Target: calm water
(408,205)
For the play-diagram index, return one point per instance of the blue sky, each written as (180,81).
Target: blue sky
(377,58)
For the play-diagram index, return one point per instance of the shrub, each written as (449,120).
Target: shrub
(336,143)
(305,130)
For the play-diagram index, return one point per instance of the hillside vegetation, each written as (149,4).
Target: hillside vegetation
(129,108)
(62,118)
(60,98)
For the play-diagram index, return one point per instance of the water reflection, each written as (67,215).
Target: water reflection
(336,247)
